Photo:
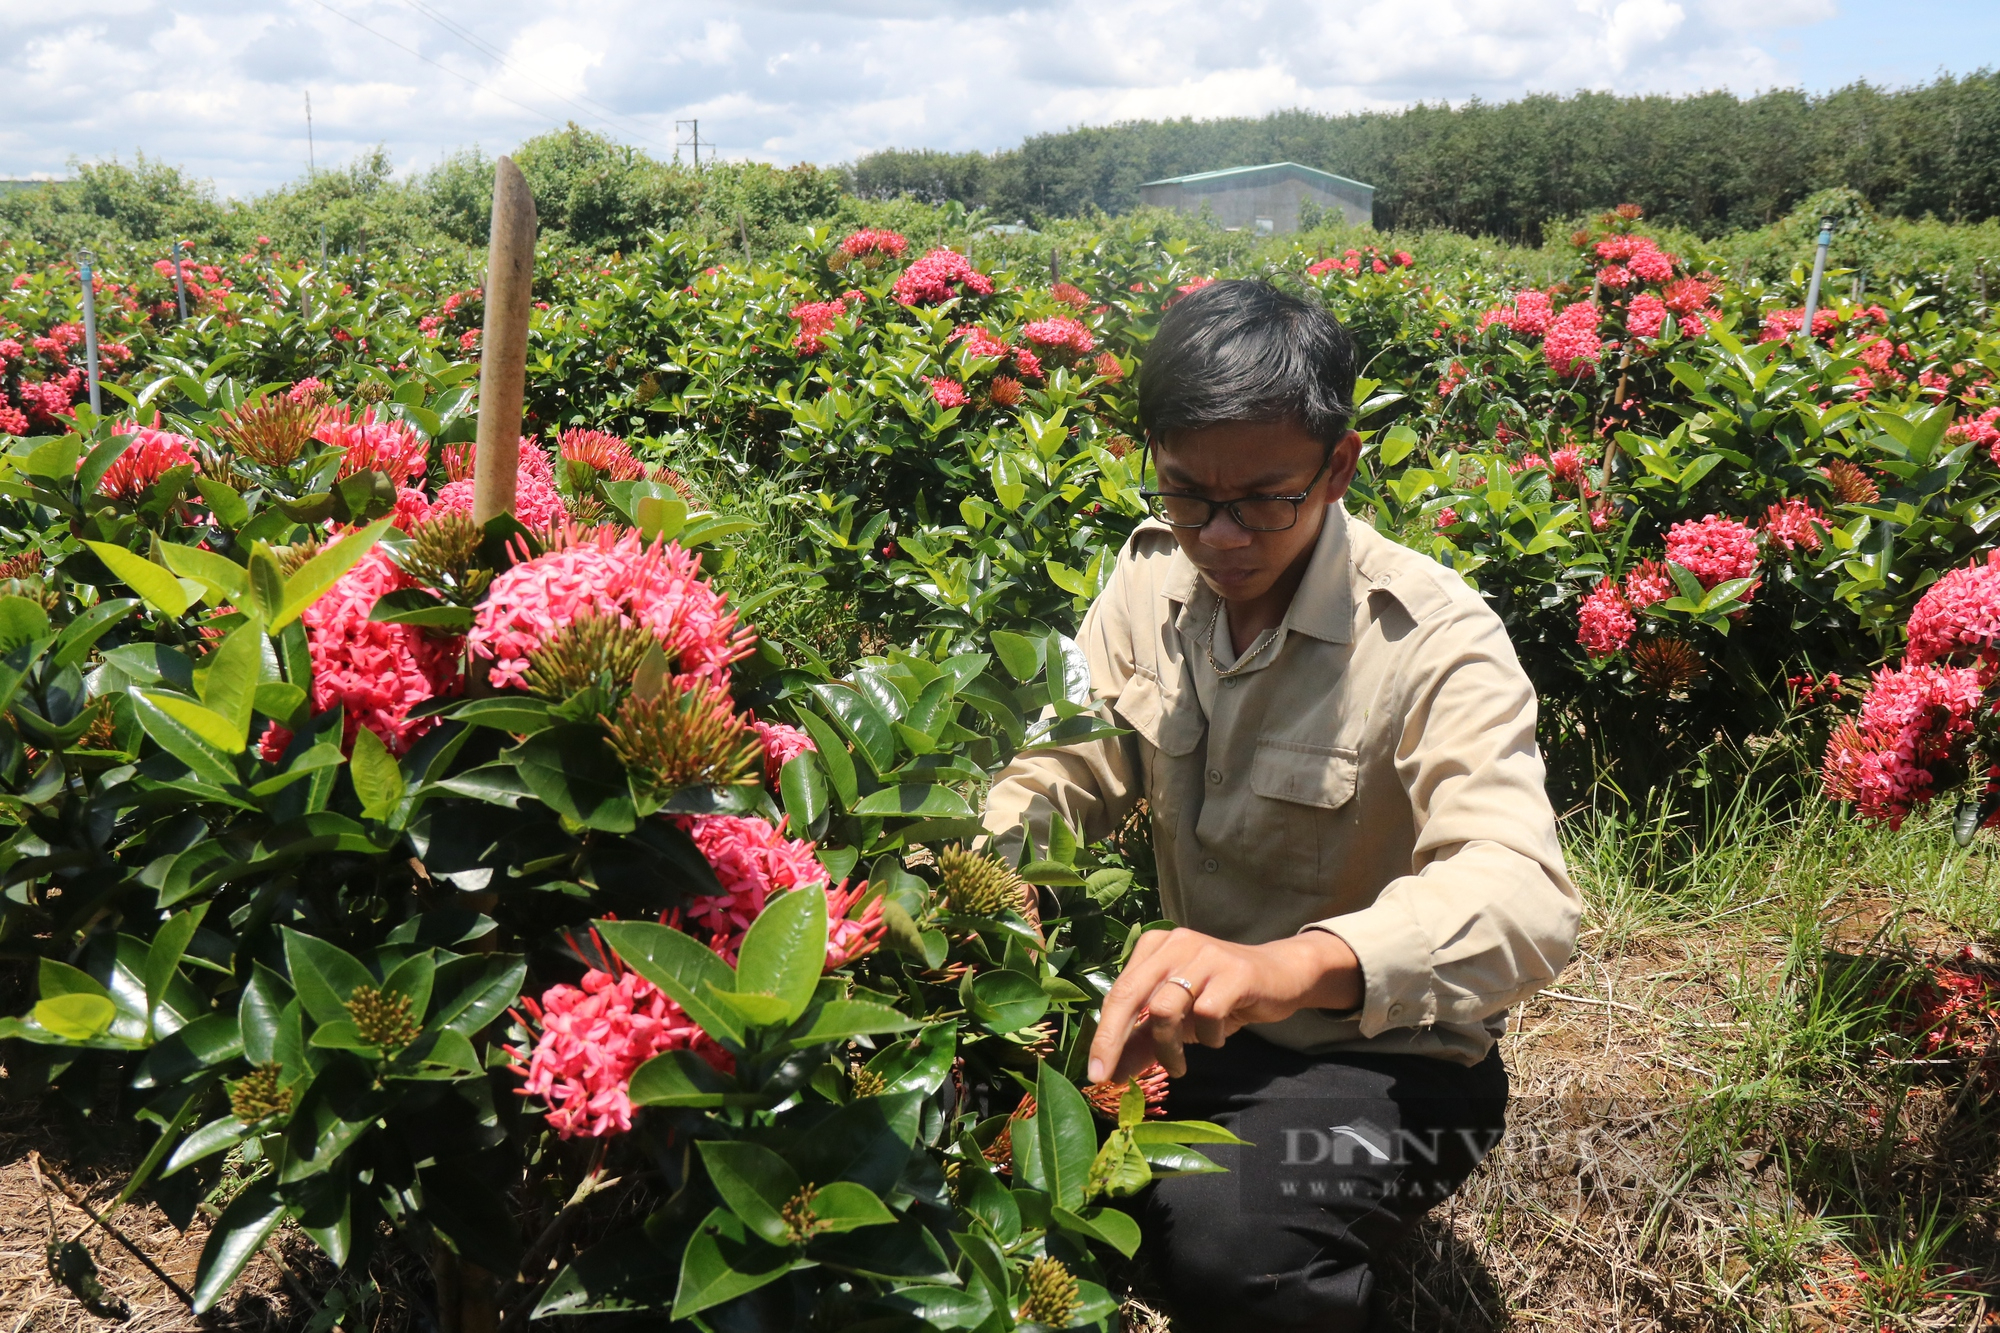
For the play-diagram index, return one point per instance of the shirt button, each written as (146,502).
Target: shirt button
(1209,865)
(1229,682)
(1215,775)
(1395,1011)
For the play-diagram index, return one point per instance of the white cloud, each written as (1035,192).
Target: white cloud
(217,85)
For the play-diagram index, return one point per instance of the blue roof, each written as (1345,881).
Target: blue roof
(1205,176)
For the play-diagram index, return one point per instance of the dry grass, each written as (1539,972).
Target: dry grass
(1706,1133)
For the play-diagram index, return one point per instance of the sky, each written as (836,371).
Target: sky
(219,87)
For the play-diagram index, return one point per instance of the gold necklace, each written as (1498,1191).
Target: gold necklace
(1256,650)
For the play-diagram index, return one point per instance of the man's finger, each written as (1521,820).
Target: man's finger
(1168,1026)
(1151,961)
(1212,1009)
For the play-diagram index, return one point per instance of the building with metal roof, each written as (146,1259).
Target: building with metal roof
(1263,199)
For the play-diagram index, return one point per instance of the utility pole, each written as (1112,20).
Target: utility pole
(692,141)
(312,167)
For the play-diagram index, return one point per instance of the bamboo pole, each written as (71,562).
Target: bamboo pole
(503,344)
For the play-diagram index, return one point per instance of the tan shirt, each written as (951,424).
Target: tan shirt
(1372,773)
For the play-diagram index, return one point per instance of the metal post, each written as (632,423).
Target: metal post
(180,281)
(84,259)
(1819,271)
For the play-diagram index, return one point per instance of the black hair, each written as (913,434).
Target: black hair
(1245,351)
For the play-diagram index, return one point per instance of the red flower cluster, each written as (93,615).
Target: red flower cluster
(611,573)
(1911,738)
(939,276)
(1795,524)
(872,241)
(537,503)
(1958,618)
(754,860)
(1604,621)
(150,455)
(1070,295)
(817,317)
(389,447)
(1353,260)
(1572,342)
(948,392)
(1982,431)
(600,452)
(378,672)
(1648,582)
(782,744)
(1715,550)
(1529,315)
(1061,334)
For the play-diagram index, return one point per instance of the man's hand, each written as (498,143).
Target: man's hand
(1148,1017)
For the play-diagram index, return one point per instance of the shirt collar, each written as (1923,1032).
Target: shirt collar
(1323,607)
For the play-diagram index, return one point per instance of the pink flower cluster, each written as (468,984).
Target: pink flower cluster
(1641,257)
(1061,334)
(1604,621)
(816,318)
(600,452)
(1715,550)
(150,456)
(948,392)
(753,861)
(1572,341)
(1795,524)
(538,505)
(377,672)
(593,1037)
(609,572)
(1648,582)
(1982,431)
(1353,260)
(939,276)
(782,744)
(873,241)
(388,446)
(1070,295)
(1915,727)
(980,342)
(1959,616)
(1529,315)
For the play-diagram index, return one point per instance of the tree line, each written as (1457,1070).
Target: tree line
(1710,162)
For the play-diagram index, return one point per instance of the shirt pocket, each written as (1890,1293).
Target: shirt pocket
(1171,726)
(1300,794)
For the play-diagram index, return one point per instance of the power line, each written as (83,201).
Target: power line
(485,48)
(428,61)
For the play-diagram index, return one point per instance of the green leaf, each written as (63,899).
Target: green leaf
(1121,1169)
(833,754)
(223,502)
(225,580)
(163,955)
(257,1013)
(804,792)
(266,590)
(725,1260)
(1021,655)
(414,606)
(679,965)
(378,780)
(573,772)
(512,713)
(182,742)
(324,975)
(837,1020)
(206,725)
(229,686)
(754,1009)
(784,951)
(681,1078)
(915,800)
(210,1139)
(754,1182)
(321,572)
(73,646)
(238,1235)
(76,1017)
(162,591)
(846,1206)
(1181,1131)
(1065,1138)
(863,722)
(920,1064)
(1114,1228)
(1007,1001)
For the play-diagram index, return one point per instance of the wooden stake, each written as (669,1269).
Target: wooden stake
(503,345)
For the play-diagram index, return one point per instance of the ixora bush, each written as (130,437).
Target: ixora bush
(408,876)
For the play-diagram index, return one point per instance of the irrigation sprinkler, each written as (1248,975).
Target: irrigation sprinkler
(180,281)
(1819,271)
(84,260)
(503,343)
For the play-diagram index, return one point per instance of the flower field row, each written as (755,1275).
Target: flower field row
(423,871)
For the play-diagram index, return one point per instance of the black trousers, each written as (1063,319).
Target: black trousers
(1349,1152)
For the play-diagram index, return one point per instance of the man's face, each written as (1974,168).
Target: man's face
(1238,459)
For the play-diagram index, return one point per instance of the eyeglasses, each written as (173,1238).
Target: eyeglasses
(1255,513)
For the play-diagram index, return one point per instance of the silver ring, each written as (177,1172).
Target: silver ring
(1184,984)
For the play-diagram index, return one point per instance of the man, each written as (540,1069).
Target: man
(1337,745)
